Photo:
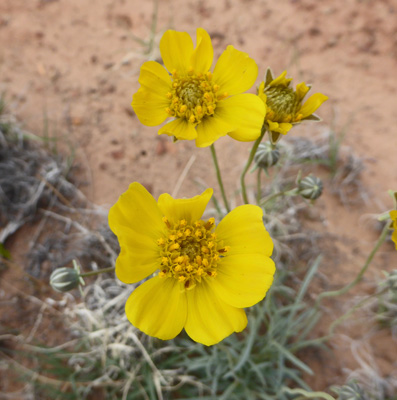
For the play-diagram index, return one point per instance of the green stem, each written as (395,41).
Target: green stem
(154,25)
(219,177)
(248,164)
(351,310)
(291,192)
(346,288)
(271,197)
(258,186)
(99,271)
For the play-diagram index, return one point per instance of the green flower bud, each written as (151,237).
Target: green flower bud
(310,187)
(266,155)
(351,391)
(65,279)
(391,281)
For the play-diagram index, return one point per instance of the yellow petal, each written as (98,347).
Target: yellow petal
(151,100)
(311,104)
(154,77)
(282,127)
(281,80)
(235,72)
(136,220)
(301,90)
(211,129)
(180,128)
(246,113)
(150,107)
(158,308)
(243,230)
(203,54)
(136,209)
(273,126)
(209,319)
(243,280)
(176,50)
(138,256)
(189,209)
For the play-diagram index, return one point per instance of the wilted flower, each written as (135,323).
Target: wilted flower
(204,105)
(310,187)
(284,104)
(206,274)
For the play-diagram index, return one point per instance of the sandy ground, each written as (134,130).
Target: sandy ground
(74,66)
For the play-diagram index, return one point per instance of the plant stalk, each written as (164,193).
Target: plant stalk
(346,288)
(219,177)
(248,164)
(99,271)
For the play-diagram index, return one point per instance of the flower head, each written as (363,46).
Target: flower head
(284,104)
(204,105)
(393,216)
(205,274)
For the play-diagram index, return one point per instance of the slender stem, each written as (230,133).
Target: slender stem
(351,310)
(346,288)
(290,192)
(258,186)
(248,164)
(154,25)
(273,196)
(219,177)
(99,271)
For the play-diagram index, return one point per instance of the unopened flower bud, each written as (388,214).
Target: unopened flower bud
(351,391)
(266,155)
(391,281)
(310,187)
(65,279)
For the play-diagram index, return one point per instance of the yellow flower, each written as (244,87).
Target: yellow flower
(204,105)
(206,274)
(393,216)
(284,104)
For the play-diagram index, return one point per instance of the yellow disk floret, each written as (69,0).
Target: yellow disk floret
(283,104)
(193,96)
(190,252)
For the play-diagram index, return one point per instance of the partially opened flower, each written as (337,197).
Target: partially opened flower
(204,105)
(393,216)
(205,275)
(284,106)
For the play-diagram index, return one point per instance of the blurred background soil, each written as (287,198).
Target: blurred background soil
(69,69)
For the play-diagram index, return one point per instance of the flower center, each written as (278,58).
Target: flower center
(282,104)
(193,96)
(190,252)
